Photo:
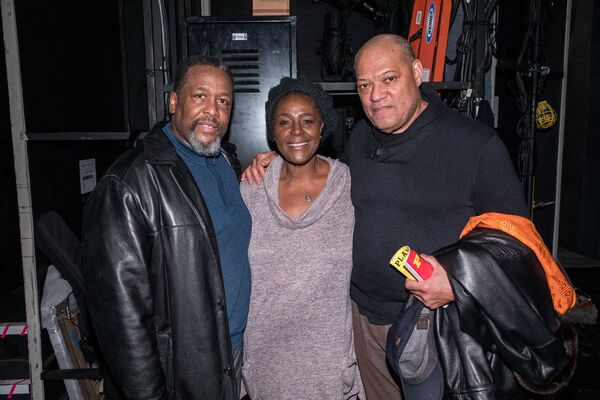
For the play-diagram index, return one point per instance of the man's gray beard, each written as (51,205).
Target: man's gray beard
(205,149)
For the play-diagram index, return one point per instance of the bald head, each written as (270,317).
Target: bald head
(387,42)
(387,81)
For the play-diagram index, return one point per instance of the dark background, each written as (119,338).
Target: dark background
(83,70)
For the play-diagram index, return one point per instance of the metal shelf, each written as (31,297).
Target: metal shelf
(349,88)
(66,136)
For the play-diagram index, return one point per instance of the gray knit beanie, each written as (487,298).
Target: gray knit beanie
(315,92)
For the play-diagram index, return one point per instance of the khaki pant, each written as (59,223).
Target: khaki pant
(369,344)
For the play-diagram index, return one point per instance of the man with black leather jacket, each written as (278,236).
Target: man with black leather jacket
(165,240)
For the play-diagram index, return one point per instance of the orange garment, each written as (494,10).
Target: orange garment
(522,229)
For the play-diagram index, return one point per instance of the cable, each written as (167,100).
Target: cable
(164,46)
(465,56)
(525,128)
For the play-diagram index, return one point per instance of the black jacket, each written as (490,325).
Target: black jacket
(153,279)
(502,325)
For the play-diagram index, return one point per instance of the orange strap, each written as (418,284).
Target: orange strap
(563,295)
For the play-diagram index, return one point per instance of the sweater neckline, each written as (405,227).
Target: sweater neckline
(402,146)
(318,207)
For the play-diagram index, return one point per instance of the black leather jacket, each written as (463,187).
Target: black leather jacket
(153,279)
(501,323)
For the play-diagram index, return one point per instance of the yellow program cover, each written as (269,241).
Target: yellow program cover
(398,260)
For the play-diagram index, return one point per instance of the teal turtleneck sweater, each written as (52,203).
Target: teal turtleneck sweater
(231,220)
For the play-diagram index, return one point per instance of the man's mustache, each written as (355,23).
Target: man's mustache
(206,121)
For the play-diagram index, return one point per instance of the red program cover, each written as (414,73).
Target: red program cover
(418,266)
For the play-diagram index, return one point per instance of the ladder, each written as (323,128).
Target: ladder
(14,385)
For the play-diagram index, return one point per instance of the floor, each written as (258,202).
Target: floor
(583,272)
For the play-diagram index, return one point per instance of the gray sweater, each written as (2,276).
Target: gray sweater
(298,342)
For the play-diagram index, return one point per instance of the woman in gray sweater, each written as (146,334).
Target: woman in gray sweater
(298,342)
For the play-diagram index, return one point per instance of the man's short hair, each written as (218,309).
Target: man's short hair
(185,65)
(402,44)
(405,47)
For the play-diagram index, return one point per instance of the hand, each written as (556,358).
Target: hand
(258,168)
(436,291)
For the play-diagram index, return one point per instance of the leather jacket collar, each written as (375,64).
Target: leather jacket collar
(159,150)
(157,147)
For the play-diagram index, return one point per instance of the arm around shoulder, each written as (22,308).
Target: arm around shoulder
(256,171)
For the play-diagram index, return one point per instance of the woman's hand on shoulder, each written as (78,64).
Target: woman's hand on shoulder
(255,172)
